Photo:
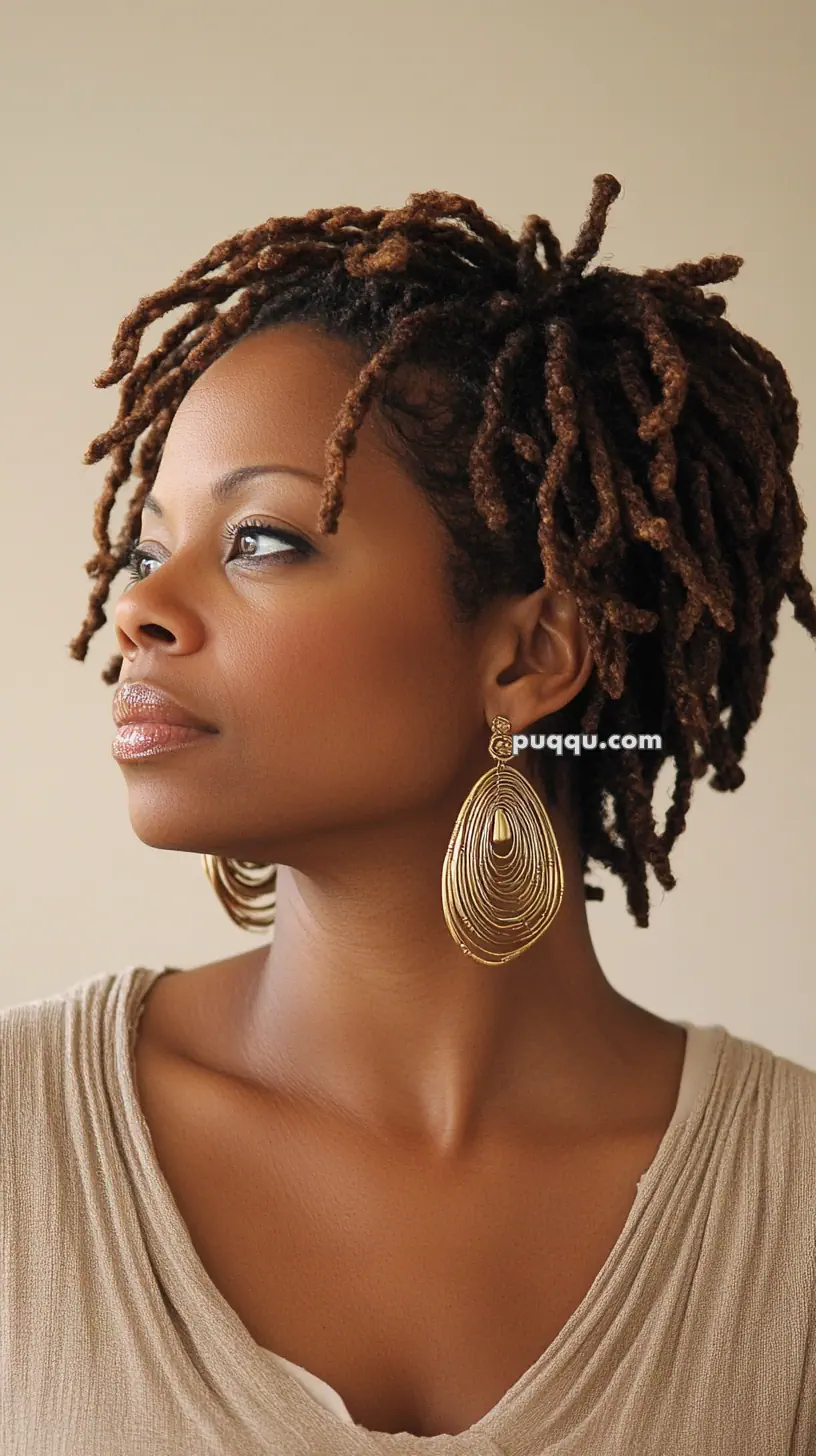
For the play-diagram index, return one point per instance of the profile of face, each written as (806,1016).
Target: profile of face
(344,690)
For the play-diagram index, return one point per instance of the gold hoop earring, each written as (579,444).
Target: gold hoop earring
(502,877)
(239,884)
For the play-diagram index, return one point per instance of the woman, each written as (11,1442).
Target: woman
(412,1176)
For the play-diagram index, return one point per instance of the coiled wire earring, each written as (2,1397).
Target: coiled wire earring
(248,891)
(502,877)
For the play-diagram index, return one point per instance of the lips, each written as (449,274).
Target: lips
(142,702)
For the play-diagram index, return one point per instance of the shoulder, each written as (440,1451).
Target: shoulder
(785,1086)
(765,1116)
(49,1047)
(31,1028)
(771,1207)
(61,1063)
(58,1174)
(771,1092)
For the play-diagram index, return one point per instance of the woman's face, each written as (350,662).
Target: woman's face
(343,691)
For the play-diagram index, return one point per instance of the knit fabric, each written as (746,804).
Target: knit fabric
(696,1338)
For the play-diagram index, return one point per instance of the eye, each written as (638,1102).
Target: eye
(297,546)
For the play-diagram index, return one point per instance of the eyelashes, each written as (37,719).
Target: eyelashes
(299,547)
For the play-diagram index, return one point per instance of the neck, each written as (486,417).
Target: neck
(364,1003)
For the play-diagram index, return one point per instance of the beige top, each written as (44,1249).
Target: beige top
(696,1338)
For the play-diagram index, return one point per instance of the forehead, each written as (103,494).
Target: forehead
(277,393)
(275,397)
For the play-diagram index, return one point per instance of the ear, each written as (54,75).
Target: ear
(537,657)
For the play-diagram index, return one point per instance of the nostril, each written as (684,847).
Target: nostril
(154,630)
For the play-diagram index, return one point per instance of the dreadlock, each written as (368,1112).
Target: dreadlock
(609,434)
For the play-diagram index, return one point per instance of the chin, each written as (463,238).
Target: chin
(178,821)
(162,822)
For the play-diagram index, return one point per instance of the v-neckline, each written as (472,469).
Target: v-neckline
(249,1374)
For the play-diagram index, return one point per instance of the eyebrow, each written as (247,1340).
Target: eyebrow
(226,485)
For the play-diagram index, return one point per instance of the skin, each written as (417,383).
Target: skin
(357,1099)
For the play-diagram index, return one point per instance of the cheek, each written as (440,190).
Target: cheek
(363,707)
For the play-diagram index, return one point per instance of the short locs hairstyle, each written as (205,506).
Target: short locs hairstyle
(610,435)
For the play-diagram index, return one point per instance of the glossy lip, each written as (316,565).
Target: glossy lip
(145,740)
(143,702)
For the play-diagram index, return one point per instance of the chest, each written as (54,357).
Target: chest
(421,1292)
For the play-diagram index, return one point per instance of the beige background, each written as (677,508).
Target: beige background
(136,136)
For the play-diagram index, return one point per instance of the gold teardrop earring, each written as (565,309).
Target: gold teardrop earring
(246,890)
(502,877)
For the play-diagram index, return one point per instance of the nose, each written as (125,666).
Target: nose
(150,616)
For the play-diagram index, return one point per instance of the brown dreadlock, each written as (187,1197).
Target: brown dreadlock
(610,434)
